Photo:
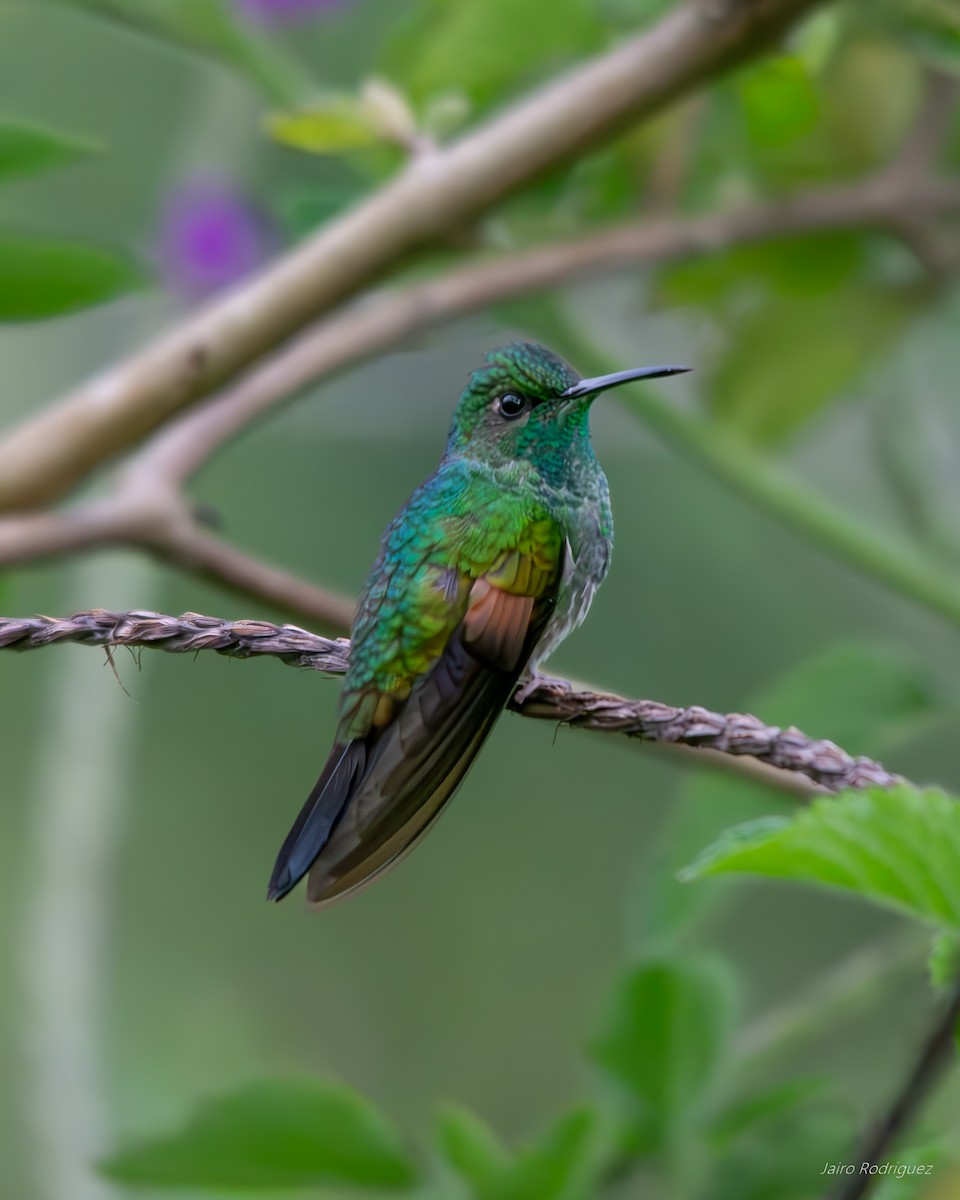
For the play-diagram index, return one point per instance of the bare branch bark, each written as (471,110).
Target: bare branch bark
(783,758)
(434,195)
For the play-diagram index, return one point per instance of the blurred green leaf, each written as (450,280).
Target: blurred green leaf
(860,695)
(944,964)
(663,1038)
(634,13)
(301,211)
(339,124)
(792,356)
(898,847)
(779,100)
(784,1159)
(930,28)
(42,276)
(906,1185)
(561,1165)
(662,911)
(812,265)
(283,1135)
(335,126)
(745,1115)
(817,38)
(482,48)
(211,27)
(471,1148)
(26,149)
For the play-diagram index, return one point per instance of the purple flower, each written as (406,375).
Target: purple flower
(281,12)
(210,236)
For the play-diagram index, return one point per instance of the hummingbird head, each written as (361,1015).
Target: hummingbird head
(526,403)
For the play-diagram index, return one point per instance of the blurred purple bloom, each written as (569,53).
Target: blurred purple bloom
(279,12)
(210,236)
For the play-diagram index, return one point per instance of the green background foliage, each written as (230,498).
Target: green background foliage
(534,1007)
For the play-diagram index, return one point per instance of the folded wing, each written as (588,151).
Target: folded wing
(406,740)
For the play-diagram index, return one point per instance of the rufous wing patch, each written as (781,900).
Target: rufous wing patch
(495,626)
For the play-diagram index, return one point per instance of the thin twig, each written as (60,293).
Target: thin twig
(936,1054)
(785,757)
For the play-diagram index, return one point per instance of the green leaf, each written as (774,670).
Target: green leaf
(561,1165)
(280,1135)
(814,264)
(784,1160)
(664,1036)
(483,48)
(863,696)
(899,1183)
(634,13)
(338,124)
(744,1116)
(793,355)
(471,1148)
(897,847)
(944,964)
(930,28)
(211,27)
(817,38)
(42,276)
(778,99)
(301,211)
(26,149)
(334,126)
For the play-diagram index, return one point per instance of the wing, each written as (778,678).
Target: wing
(449,618)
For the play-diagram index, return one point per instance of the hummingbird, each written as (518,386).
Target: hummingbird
(491,563)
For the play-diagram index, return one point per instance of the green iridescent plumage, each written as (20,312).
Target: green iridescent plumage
(490,564)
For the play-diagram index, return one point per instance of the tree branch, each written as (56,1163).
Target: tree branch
(919,154)
(146,512)
(385,321)
(433,196)
(146,509)
(784,758)
(936,1054)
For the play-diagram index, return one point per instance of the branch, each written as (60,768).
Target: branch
(936,1054)
(146,509)
(381,323)
(433,196)
(147,512)
(919,154)
(785,758)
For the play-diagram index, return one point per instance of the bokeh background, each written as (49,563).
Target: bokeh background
(142,969)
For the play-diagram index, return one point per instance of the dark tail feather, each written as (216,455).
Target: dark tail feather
(379,795)
(411,772)
(318,817)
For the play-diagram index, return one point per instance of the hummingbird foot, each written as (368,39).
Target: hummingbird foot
(537,681)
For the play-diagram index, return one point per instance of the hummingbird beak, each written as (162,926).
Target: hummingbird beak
(600,383)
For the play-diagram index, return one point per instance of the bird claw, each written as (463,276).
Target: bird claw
(535,683)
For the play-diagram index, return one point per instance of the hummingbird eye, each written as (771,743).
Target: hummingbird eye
(511,406)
